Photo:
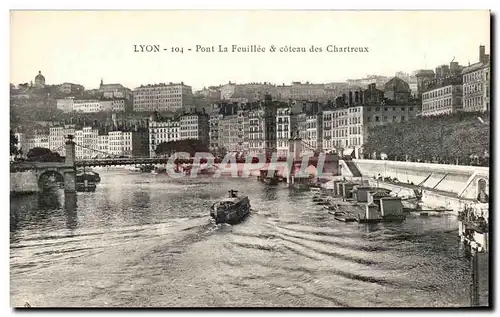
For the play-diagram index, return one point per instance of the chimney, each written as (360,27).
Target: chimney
(453,67)
(438,72)
(481,53)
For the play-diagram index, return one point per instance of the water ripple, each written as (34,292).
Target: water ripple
(145,240)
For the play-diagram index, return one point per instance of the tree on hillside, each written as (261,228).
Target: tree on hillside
(40,154)
(13,144)
(460,138)
(190,146)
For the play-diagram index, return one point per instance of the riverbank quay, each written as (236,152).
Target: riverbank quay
(465,181)
(472,214)
(360,201)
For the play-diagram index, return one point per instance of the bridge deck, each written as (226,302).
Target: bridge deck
(24,166)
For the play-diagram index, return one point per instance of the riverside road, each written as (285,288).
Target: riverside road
(144,240)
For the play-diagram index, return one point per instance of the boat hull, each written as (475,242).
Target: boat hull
(375,220)
(232,215)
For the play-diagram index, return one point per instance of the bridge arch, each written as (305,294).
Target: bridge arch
(48,177)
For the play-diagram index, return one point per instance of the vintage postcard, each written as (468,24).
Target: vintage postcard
(190,158)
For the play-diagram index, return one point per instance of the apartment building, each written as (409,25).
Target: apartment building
(194,126)
(231,133)
(102,145)
(86,105)
(69,88)
(111,91)
(36,141)
(286,128)
(66,104)
(214,121)
(118,105)
(90,143)
(163,97)
(310,126)
(162,132)
(476,84)
(442,100)
(347,125)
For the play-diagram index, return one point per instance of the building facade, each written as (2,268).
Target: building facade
(231,134)
(423,76)
(36,141)
(286,128)
(308,91)
(110,91)
(195,126)
(215,143)
(91,144)
(103,144)
(71,89)
(163,97)
(310,126)
(257,132)
(162,132)
(347,125)
(442,100)
(476,84)
(118,105)
(66,105)
(86,106)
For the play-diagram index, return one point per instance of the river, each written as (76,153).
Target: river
(145,240)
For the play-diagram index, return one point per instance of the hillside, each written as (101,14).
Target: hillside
(459,138)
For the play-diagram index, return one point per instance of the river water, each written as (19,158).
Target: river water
(145,240)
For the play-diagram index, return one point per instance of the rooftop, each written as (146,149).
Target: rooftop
(162,85)
(475,67)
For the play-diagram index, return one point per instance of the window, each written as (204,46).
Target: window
(377,109)
(394,118)
(377,119)
(402,118)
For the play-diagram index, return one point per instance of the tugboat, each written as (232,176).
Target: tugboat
(232,209)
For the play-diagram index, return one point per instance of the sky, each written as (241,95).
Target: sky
(84,46)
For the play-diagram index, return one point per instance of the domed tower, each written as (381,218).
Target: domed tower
(397,90)
(39,80)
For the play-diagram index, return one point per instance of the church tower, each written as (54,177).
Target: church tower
(39,80)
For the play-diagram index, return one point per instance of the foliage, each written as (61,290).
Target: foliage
(190,146)
(40,154)
(13,144)
(459,138)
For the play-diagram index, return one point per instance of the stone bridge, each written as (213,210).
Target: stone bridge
(63,172)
